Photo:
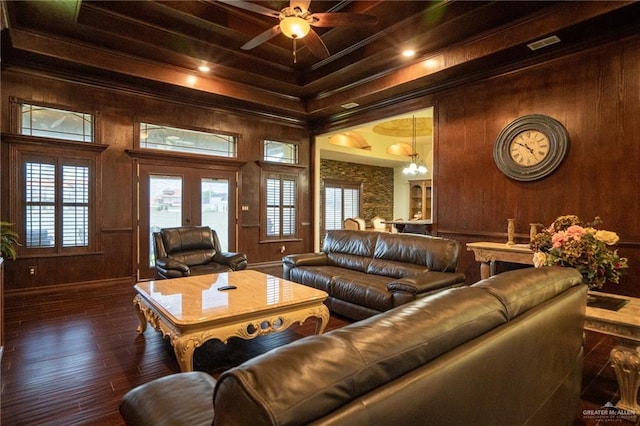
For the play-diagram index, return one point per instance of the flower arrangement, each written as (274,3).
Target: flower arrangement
(570,242)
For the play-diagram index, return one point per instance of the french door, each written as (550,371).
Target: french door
(183,196)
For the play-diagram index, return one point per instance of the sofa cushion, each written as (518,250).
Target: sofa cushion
(349,249)
(315,276)
(303,381)
(436,254)
(530,289)
(191,245)
(394,269)
(363,289)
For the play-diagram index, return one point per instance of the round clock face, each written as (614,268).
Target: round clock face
(530,147)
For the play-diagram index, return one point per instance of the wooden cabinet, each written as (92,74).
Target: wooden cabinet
(420,199)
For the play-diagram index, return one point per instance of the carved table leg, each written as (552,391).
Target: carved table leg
(183,347)
(323,318)
(625,360)
(143,320)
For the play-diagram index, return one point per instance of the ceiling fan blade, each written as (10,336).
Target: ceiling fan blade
(252,7)
(341,19)
(315,44)
(303,5)
(261,38)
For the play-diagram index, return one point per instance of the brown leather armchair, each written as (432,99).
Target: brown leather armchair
(192,250)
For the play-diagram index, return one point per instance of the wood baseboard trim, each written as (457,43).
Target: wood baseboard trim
(124,281)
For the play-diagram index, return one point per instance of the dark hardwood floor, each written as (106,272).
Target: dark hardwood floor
(71,355)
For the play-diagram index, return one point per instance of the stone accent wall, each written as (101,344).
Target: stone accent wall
(377,186)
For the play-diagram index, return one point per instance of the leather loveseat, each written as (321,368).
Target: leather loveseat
(367,272)
(192,250)
(504,351)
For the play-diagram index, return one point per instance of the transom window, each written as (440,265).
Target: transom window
(166,138)
(56,123)
(280,152)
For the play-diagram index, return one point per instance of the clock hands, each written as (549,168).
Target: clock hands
(524,145)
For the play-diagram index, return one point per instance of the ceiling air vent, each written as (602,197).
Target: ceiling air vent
(543,43)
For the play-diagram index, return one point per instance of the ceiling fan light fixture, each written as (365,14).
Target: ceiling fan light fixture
(294,27)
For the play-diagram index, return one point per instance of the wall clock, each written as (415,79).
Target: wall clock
(530,147)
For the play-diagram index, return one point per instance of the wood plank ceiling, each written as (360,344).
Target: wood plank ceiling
(158,45)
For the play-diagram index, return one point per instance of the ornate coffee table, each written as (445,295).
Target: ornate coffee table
(192,310)
(624,324)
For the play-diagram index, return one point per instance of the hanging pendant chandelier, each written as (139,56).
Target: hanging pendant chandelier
(416,167)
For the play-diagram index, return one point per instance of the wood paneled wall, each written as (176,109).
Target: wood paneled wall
(118,112)
(596,95)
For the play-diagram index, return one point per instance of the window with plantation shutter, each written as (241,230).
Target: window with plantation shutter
(75,206)
(56,203)
(341,201)
(40,204)
(55,167)
(281,198)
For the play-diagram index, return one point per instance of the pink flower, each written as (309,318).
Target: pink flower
(575,232)
(558,239)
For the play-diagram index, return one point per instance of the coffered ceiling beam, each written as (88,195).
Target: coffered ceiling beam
(91,56)
(441,64)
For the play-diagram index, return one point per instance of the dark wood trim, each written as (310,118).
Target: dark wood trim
(56,288)
(280,167)
(92,56)
(167,157)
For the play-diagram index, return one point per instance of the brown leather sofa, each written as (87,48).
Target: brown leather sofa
(368,272)
(504,351)
(192,250)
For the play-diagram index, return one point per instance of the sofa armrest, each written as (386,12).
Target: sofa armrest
(181,398)
(302,259)
(305,259)
(167,264)
(426,282)
(235,261)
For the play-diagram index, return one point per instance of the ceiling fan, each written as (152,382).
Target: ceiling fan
(296,22)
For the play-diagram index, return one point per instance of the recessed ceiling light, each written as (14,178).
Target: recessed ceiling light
(407,53)
(350,105)
(204,68)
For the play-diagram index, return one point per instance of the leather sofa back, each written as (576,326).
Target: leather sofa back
(396,255)
(350,249)
(192,245)
(313,378)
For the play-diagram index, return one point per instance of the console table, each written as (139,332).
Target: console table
(488,253)
(624,325)
(419,226)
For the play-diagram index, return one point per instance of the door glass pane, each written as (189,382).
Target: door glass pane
(165,206)
(215,208)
